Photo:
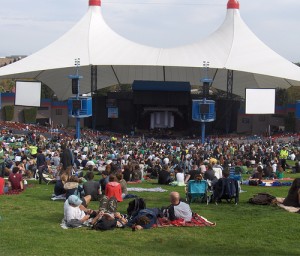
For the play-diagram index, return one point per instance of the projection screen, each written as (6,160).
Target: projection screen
(28,94)
(260,101)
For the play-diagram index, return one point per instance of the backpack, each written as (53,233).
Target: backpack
(135,206)
(262,199)
(104,224)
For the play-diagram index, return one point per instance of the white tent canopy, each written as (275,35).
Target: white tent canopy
(119,61)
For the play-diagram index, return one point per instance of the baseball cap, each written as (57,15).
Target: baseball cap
(74,200)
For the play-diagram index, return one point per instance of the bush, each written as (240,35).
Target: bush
(30,115)
(9,112)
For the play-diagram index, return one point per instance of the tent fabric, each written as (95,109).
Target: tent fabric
(119,61)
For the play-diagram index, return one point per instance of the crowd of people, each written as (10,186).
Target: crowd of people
(122,159)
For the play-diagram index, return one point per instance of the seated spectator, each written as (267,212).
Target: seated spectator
(293,197)
(91,187)
(192,173)
(3,188)
(258,174)
(113,188)
(59,185)
(123,184)
(74,211)
(103,182)
(136,174)
(209,175)
(90,162)
(178,209)
(279,172)
(268,172)
(164,176)
(126,173)
(73,187)
(179,177)
(15,179)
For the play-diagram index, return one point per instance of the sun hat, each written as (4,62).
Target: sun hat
(74,200)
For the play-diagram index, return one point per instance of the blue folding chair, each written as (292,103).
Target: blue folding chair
(197,190)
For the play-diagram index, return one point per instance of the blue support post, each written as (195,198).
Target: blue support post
(78,128)
(202,133)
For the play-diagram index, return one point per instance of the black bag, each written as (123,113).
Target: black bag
(254,182)
(135,206)
(262,199)
(105,224)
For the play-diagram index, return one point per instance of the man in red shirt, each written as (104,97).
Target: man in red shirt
(15,179)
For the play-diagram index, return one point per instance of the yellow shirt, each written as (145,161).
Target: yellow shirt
(283,154)
(33,150)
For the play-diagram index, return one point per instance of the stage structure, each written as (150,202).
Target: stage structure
(78,107)
(204,110)
(234,51)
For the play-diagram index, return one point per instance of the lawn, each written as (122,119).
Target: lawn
(30,226)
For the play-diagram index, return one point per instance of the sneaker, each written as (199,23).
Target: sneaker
(112,205)
(103,203)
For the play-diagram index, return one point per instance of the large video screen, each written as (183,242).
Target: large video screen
(28,94)
(260,101)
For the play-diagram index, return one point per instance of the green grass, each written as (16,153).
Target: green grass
(29,225)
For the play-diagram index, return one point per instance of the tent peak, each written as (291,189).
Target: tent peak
(233,4)
(94,2)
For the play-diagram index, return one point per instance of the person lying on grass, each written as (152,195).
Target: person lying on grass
(178,209)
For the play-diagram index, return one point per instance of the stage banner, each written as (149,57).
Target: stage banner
(113,113)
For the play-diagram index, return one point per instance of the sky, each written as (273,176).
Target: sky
(27,26)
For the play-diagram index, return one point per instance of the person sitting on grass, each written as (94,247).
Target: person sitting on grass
(91,187)
(103,182)
(113,188)
(3,187)
(15,179)
(164,176)
(293,197)
(72,210)
(73,187)
(123,184)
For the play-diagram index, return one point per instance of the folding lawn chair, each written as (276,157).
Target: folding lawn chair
(197,190)
(227,189)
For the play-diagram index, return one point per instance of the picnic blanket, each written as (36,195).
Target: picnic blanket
(13,192)
(134,182)
(63,224)
(197,221)
(287,208)
(158,189)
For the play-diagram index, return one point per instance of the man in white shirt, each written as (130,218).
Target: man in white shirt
(72,210)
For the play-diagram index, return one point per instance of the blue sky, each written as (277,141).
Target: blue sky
(29,25)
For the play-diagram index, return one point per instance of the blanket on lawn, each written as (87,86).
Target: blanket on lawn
(158,189)
(134,182)
(64,225)
(287,208)
(13,192)
(197,221)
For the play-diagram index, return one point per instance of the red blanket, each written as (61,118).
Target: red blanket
(197,221)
